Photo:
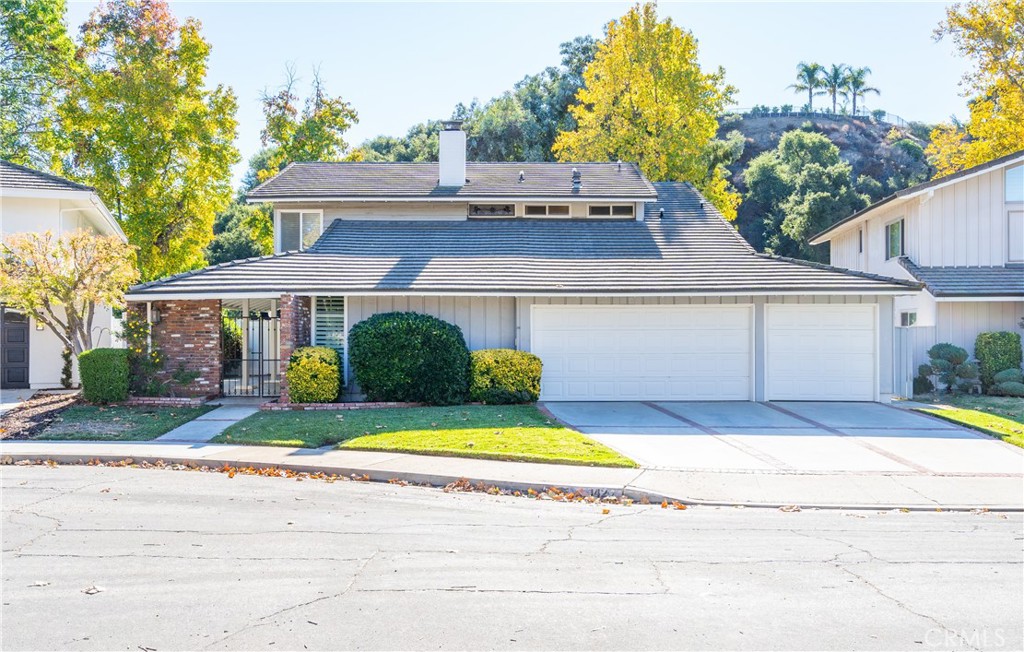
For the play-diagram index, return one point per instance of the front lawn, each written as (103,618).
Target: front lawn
(514,432)
(999,416)
(119,423)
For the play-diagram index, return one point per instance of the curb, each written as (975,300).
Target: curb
(439,480)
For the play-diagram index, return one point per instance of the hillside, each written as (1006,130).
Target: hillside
(885,158)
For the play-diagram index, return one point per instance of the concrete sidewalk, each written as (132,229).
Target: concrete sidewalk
(206,427)
(861,490)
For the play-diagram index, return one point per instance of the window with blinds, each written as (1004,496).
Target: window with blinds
(330,323)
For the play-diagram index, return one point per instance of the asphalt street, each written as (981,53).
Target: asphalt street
(133,559)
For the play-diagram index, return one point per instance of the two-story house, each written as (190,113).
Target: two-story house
(962,236)
(626,289)
(35,201)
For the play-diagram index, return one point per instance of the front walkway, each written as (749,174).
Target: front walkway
(12,398)
(791,438)
(204,428)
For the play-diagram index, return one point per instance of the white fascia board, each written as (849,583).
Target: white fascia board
(999,298)
(263,294)
(36,193)
(449,200)
(107,216)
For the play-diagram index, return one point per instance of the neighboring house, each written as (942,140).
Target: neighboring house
(627,290)
(962,236)
(36,201)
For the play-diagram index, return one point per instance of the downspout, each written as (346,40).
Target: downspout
(149,325)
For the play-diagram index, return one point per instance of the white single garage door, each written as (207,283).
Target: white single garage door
(821,352)
(650,353)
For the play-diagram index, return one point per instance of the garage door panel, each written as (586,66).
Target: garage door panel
(821,352)
(644,352)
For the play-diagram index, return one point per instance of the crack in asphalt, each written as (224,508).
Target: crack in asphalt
(264,620)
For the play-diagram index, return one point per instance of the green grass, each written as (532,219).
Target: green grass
(515,432)
(119,423)
(999,416)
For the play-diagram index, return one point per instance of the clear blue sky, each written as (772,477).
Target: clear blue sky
(401,63)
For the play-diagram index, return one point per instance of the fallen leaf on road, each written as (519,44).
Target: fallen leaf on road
(39,583)
(664,504)
(606,511)
(679,505)
(93,590)
(790,508)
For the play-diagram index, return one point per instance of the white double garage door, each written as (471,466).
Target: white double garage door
(822,352)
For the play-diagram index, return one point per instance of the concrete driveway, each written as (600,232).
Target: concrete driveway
(11,398)
(789,437)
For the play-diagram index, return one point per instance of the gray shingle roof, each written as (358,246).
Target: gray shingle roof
(419,180)
(689,250)
(969,281)
(13,175)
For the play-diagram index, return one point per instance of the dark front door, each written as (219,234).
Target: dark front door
(13,350)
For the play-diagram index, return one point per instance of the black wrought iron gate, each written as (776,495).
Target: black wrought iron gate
(250,347)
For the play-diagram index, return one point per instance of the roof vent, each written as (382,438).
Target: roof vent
(522,176)
(577,179)
(661,213)
(620,165)
(702,204)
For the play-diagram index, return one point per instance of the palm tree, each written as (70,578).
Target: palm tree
(834,82)
(857,85)
(808,78)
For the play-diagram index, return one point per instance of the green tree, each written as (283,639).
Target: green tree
(144,130)
(801,187)
(833,81)
(990,33)
(36,54)
(241,231)
(857,85)
(316,132)
(420,144)
(808,79)
(646,99)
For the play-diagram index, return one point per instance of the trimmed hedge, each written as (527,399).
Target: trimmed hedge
(504,376)
(314,375)
(1011,388)
(104,374)
(408,356)
(996,352)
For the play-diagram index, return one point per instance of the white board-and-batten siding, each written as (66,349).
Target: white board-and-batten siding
(964,224)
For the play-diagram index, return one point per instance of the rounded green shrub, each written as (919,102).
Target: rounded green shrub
(948,352)
(950,367)
(314,375)
(408,356)
(1010,388)
(1008,376)
(104,374)
(995,352)
(504,376)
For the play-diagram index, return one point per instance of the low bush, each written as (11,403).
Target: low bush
(104,374)
(314,375)
(996,352)
(407,356)
(1009,376)
(950,367)
(1010,388)
(504,376)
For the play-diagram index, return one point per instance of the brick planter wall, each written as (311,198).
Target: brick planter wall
(166,401)
(189,334)
(294,329)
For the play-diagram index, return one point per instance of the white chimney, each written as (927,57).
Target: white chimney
(452,154)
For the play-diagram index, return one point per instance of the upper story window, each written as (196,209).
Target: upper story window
(894,239)
(492,210)
(298,230)
(546,210)
(610,210)
(1015,184)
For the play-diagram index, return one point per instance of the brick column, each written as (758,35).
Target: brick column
(189,336)
(294,329)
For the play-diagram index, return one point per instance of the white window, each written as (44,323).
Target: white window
(1015,235)
(1015,184)
(298,230)
(610,210)
(894,239)
(546,210)
(908,318)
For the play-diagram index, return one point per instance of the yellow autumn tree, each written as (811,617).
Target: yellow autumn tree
(991,34)
(646,99)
